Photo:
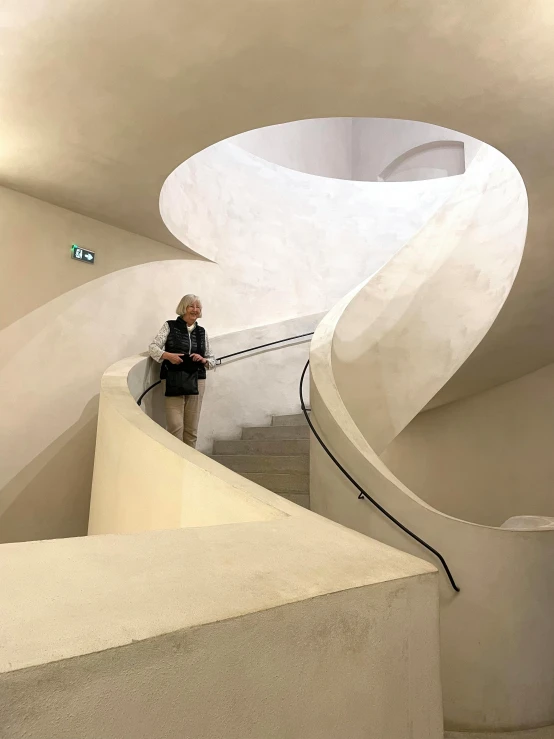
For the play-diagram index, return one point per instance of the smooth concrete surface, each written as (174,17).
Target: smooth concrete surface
(280,482)
(275,433)
(545,733)
(145,479)
(376,360)
(526,523)
(247,390)
(380,143)
(301,499)
(321,147)
(485,458)
(85,317)
(255,602)
(427,162)
(256,215)
(148,102)
(284,447)
(294,627)
(298,463)
(284,480)
(73,320)
(497,647)
(294,419)
(426,311)
(362,148)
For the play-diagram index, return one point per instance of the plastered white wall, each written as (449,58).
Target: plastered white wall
(293,628)
(403,333)
(377,142)
(322,146)
(377,358)
(250,389)
(186,615)
(485,458)
(281,253)
(358,148)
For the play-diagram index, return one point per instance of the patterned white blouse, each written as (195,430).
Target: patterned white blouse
(157,346)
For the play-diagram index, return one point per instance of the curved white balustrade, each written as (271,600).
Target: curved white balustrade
(376,360)
(244,553)
(363,149)
(385,351)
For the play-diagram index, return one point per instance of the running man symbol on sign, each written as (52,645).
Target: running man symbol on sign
(82,255)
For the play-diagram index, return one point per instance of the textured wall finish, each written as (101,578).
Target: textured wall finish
(268,220)
(484,458)
(187,634)
(149,101)
(377,359)
(354,148)
(358,148)
(226,615)
(250,389)
(318,147)
(260,219)
(405,323)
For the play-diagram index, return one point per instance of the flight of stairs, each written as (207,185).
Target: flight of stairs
(276,457)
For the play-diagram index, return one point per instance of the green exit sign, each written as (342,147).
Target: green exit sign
(82,255)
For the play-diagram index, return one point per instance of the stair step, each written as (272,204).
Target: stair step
(281,447)
(276,432)
(298,464)
(302,499)
(297,419)
(280,482)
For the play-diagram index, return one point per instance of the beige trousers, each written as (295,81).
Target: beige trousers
(183,413)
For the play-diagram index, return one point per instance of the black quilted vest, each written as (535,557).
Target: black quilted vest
(179,341)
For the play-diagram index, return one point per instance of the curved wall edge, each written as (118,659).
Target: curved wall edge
(497,634)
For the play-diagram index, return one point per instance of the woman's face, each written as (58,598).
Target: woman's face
(193,312)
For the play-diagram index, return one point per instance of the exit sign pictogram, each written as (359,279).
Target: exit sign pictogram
(82,255)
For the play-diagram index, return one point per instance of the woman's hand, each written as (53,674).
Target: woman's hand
(173,358)
(198,358)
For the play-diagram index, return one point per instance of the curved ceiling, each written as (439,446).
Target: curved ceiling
(101,101)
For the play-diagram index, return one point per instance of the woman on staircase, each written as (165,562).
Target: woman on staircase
(183,349)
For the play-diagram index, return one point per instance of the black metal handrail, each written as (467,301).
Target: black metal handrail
(141,396)
(236,354)
(263,346)
(363,494)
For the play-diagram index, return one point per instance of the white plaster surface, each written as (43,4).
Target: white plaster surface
(376,360)
(282,253)
(360,148)
(404,322)
(129,492)
(186,633)
(529,523)
(248,390)
(280,221)
(426,162)
(318,147)
(304,625)
(150,101)
(545,733)
(484,458)
(377,142)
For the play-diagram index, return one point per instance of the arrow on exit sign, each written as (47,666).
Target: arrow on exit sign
(82,255)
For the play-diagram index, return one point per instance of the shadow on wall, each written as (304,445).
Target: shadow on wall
(50,497)
(427,162)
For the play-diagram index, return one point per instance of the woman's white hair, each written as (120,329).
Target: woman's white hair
(184,303)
